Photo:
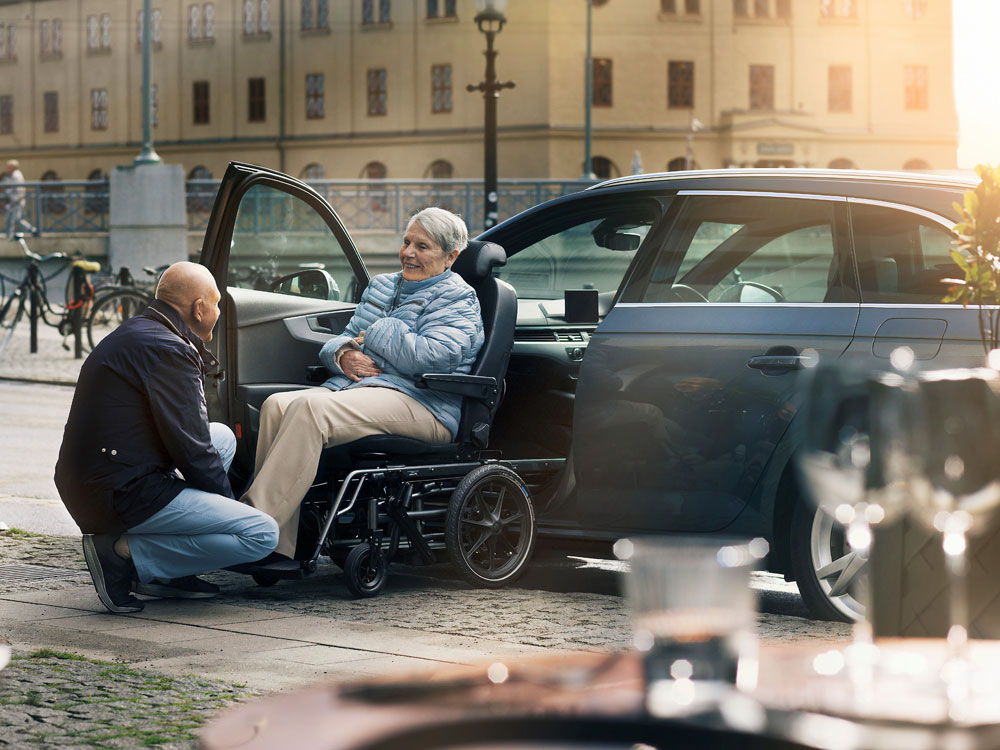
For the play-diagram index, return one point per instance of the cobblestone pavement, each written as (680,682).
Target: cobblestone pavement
(48,697)
(52,363)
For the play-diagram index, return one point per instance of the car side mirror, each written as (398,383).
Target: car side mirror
(314,283)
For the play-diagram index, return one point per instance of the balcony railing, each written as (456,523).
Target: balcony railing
(80,206)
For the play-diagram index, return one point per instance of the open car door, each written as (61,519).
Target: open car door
(290,277)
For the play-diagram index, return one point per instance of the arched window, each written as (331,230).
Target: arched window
(916,164)
(53,203)
(841,164)
(440,169)
(96,201)
(374,170)
(679,164)
(604,168)
(313,171)
(199,195)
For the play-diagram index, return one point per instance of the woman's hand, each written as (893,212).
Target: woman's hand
(357,365)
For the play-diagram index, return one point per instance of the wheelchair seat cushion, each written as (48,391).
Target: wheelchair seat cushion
(417,451)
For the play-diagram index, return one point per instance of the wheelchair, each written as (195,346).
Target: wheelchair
(388,497)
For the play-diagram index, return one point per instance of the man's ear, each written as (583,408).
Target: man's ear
(197,309)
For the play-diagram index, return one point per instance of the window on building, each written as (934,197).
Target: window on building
(374,170)
(98,109)
(680,84)
(603,167)
(677,164)
(11,41)
(154,102)
(914,8)
(51,103)
(441,8)
(313,171)
(761,87)
(760,9)
(200,196)
(783,9)
(200,106)
(93,33)
(319,20)
(841,163)
(440,169)
(96,201)
(916,164)
(52,200)
(368,8)
(257,104)
(194,22)
(432,8)
(56,36)
(602,82)
(6,114)
(741,9)
(915,86)
(839,83)
(692,7)
(208,21)
(314,97)
(256,17)
(43,37)
(440,88)
(376,92)
(105,31)
(838,8)
(306,15)
(155,28)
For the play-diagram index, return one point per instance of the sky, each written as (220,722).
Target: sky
(977,81)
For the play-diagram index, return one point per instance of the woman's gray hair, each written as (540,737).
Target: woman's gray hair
(445,228)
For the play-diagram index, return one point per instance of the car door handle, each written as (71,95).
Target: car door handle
(778,363)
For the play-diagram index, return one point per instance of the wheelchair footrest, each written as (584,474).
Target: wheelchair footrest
(284,569)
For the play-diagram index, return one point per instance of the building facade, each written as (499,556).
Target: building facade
(377,88)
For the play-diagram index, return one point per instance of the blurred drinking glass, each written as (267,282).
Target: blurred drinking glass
(694,619)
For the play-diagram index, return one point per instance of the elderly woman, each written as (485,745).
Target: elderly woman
(423,318)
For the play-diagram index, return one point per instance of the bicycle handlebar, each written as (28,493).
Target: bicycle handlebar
(35,256)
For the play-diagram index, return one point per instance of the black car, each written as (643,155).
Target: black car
(661,322)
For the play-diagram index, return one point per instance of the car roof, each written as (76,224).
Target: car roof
(751,178)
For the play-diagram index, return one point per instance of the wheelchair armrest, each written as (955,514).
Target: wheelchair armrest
(317,374)
(473,386)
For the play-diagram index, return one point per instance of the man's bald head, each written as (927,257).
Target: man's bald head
(191,290)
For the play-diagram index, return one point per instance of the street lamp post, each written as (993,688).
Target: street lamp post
(148,155)
(490,20)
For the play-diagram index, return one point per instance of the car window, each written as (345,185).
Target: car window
(281,244)
(902,257)
(588,254)
(751,250)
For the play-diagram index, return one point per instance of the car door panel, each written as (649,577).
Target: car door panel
(681,405)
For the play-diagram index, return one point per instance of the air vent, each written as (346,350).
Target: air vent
(571,336)
(534,334)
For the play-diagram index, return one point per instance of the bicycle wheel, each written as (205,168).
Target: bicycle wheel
(10,313)
(111,310)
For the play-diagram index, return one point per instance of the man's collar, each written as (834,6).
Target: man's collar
(171,317)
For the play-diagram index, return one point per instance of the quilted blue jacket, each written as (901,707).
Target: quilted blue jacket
(411,328)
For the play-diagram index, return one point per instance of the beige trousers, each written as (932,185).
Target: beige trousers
(295,426)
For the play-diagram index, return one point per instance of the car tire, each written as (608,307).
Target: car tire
(829,580)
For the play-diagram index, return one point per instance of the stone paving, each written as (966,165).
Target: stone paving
(52,363)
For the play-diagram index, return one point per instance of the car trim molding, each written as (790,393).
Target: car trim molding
(936,218)
(766,194)
(824,305)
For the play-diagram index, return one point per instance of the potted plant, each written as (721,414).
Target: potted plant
(976,250)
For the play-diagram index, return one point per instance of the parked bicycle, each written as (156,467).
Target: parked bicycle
(116,303)
(31,295)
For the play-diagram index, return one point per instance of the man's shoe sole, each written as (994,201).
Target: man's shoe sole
(97,575)
(169,592)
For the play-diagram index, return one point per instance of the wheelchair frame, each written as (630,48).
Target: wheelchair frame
(430,509)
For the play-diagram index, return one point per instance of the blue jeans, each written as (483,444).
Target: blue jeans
(199,531)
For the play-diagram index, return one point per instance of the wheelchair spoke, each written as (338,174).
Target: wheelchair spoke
(492,547)
(479,543)
(511,518)
(495,513)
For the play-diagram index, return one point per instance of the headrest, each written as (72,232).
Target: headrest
(477,261)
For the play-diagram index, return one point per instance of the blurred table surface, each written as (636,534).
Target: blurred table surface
(803,699)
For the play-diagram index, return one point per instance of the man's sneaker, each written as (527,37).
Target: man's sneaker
(112,575)
(188,587)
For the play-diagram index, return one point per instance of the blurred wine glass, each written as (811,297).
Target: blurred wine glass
(956,491)
(856,469)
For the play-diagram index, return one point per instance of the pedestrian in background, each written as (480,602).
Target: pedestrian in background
(15,191)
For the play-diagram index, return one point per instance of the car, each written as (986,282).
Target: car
(663,321)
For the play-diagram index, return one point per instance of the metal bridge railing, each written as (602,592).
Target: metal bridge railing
(65,206)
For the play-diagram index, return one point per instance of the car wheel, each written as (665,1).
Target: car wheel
(832,579)
(490,527)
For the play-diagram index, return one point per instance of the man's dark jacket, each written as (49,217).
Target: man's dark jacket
(138,413)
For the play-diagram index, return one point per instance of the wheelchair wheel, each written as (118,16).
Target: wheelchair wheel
(365,573)
(490,527)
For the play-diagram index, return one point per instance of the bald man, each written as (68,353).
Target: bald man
(141,469)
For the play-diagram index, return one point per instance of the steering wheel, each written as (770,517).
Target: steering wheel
(685,293)
(735,292)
